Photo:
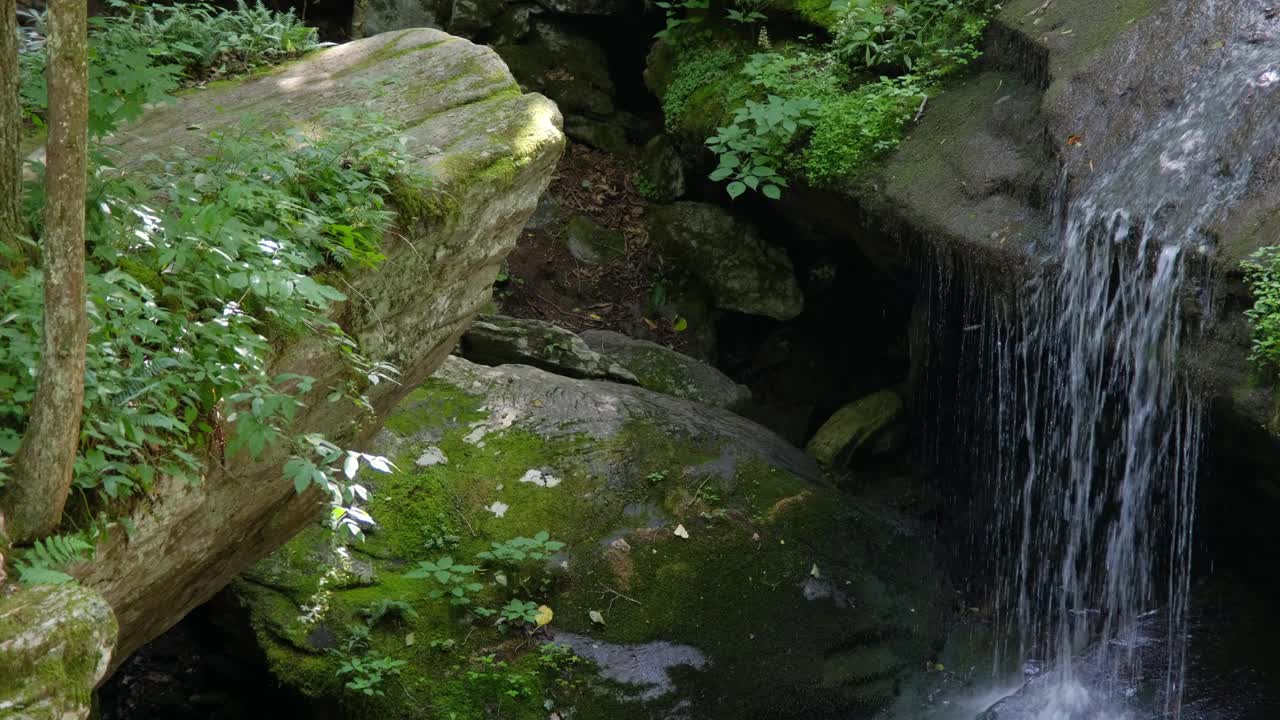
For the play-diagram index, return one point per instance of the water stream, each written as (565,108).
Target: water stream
(1094,533)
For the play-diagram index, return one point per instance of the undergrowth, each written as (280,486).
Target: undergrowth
(850,101)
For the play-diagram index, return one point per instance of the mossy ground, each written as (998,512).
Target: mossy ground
(732,589)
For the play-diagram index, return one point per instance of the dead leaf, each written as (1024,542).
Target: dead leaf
(543,616)
(681,532)
(596,617)
(1075,139)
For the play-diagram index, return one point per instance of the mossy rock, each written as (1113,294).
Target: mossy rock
(591,244)
(56,644)
(780,577)
(730,258)
(853,426)
(664,370)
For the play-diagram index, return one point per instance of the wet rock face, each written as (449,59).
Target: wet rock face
(702,553)
(502,146)
(729,256)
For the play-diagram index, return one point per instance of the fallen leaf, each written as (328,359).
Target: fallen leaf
(681,532)
(680,325)
(543,616)
(814,571)
(409,640)
(596,617)
(1075,139)
(652,325)
(498,508)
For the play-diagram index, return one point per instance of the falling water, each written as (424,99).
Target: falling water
(1095,462)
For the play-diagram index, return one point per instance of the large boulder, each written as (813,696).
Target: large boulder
(490,150)
(702,556)
(728,255)
(55,646)
(664,370)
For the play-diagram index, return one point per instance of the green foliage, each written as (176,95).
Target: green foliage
(383,608)
(140,54)
(502,682)
(747,11)
(853,127)
(366,673)
(44,562)
(752,147)
(520,612)
(1262,273)
(192,273)
(915,35)
(454,579)
(518,550)
(696,71)
(680,12)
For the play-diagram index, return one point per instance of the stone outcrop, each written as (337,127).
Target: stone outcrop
(56,644)
(490,150)
(664,370)
(502,340)
(730,258)
(702,553)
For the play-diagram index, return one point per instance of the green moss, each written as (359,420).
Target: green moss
(390,51)
(706,86)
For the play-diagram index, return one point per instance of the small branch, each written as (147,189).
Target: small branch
(605,589)
(457,507)
(697,492)
(920,113)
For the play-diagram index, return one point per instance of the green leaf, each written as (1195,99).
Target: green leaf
(772,192)
(735,189)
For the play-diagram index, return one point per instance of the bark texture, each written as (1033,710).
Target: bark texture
(42,471)
(10,125)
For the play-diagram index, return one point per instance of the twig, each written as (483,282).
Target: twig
(920,112)
(457,507)
(1040,10)
(616,594)
(697,492)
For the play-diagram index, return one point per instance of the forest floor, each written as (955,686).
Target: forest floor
(546,282)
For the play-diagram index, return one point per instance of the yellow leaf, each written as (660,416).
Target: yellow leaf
(544,615)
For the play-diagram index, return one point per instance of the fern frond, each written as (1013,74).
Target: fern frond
(41,565)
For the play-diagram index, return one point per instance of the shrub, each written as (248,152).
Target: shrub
(1262,273)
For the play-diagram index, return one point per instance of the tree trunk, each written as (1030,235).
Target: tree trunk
(42,472)
(10,127)
(359,13)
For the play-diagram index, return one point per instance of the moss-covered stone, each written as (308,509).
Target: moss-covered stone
(664,370)
(852,426)
(56,643)
(780,576)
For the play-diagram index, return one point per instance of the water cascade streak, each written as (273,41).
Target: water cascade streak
(1095,469)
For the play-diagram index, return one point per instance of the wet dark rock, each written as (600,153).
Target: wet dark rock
(729,256)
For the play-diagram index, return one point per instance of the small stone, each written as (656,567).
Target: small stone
(852,426)
(591,244)
(432,456)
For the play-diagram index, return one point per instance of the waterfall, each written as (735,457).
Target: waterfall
(1092,445)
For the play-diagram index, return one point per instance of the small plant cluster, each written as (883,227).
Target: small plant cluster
(140,52)
(514,566)
(1262,273)
(919,36)
(818,116)
(751,148)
